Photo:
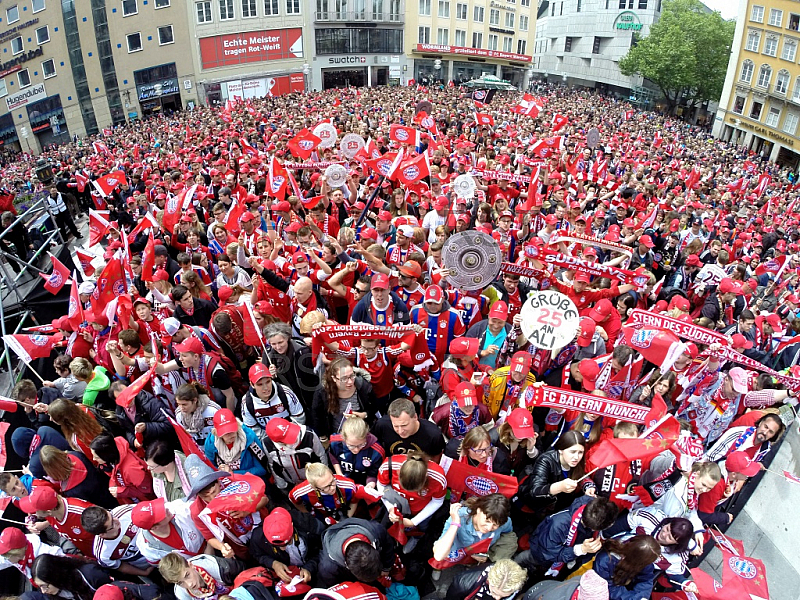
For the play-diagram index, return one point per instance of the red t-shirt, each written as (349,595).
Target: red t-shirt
(434,489)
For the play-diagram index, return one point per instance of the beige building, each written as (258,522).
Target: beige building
(458,40)
(760,104)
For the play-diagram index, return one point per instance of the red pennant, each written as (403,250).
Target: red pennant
(110,285)
(127,395)
(56,280)
(98,226)
(85,261)
(620,450)
(75,310)
(463,556)
(149,259)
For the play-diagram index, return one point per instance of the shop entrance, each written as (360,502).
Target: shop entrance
(336,78)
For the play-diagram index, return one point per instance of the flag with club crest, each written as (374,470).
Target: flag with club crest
(174,207)
(484,119)
(559,121)
(303,144)
(149,259)
(247,147)
(404,135)
(100,147)
(423,119)
(462,556)
(746,573)
(186,441)
(621,450)
(75,310)
(482,97)
(243,493)
(80,181)
(548,147)
(98,226)
(109,182)
(462,477)
(110,285)
(278,179)
(56,280)
(414,169)
(387,164)
(32,346)
(83,260)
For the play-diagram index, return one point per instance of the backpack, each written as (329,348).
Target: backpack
(248,400)
(237,381)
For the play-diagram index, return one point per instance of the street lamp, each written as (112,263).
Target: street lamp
(306,71)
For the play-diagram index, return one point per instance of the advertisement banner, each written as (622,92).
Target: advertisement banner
(249,47)
(31,94)
(445,49)
(265,86)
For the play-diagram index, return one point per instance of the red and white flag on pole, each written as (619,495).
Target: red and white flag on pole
(83,260)
(101,148)
(278,179)
(484,119)
(414,169)
(109,182)
(247,147)
(30,347)
(56,280)
(559,121)
(404,135)
(75,310)
(98,226)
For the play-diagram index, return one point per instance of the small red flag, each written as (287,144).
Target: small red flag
(622,450)
(56,280)
(110,285)
(463,556)
(149,259)
(462,477)
(404,135)
(85,261)
(3,449)
(127,395)
(303,144)
(484,119)
(243,493)
(98,226)
(188,445)
(109,182)
(75,311)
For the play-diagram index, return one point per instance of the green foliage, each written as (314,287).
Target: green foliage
(685,54)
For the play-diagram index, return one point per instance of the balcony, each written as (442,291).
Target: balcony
(356,17)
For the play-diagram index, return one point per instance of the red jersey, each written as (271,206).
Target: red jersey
(410,298)
(379,367)
(435,487)
(70,526)
(440,329)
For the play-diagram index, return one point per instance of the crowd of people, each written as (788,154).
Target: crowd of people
(288,397)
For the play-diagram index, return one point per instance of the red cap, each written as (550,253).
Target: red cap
(740,462)
(299,257)
(191,344)
(441,203)
(727,285)
(521,423)
(647,241)
(466,395)
(384,215)
(258,371)
(434,294)
(225,422)
(293,227)
(278,527)
(590,251)
(680,302)
(739,341)
(582,277)
(380,281)
(464,347)
(108,592)
(601,310)
(589,369)
(499,310)
(521,362)
(147,514)
(282,206)
(588,327)
(12,539)
(224,293)
(42,498)
(551,219)
(282,431)
(691,349)
(411,268)
(160,275)
(248,216)
(693,261)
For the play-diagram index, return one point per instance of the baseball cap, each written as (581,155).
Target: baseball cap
(588,327)
(87,287)
(551,219)
(293,227)
(647,241)
(142,300)
(680,302)
(12,539)
(379,281)
(464,347)
(739,379)
(521,362)
(258,371)
(225,422)
(299,257)
(224,293)
(466,395)
(601,310)
(740,462)
(146,514)
(406,230)
(693,261)
(499,310)
(739,341)
(282,431)
(190,344)
(727,285)
(248,216)
(691,349)
(441,202)
(278,527)
(434,294)
(589,370)
(411,269)
(521,423)
(42,497)
(582,277)
(108,592)
(282,206)
(384,215)
(171,325)
(590,251)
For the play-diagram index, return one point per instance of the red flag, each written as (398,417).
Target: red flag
(147,222)
(98,226)
(110,285)
(81,180)
(622,450)
(484,119)
(462,477)
(278,179)
(173,208)
(75,311)
(404,135)
(3,450)
(188,445)
(247,147)
(649,219)
(252,333)
(559,121)
(656,345)
(232,218)
(749,167)
(709,588)
(746,573)
(548,147)
(763,182)
(736,186)
(791,476)
(387,164)
(149,259)
(56,280)
(463,556)
(303,144)
(109,182)
(371,149)
(30,347)
(125,310)
(413,170)
(100,147)
(85,261)
(242,494)
(773,265)
(728,543)
(127,395)
(397,530)
(7,203)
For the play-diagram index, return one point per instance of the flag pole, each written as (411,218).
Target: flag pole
(370,202)
(587,475)
(12,520)
(724,537)
(27,364)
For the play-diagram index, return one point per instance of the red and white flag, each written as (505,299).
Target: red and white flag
(30,347)
(428,122)
(75,310)
(127,395)
(548,147)
(149,259)
(110,285)
(414,169)
(404,135)
(174,208)
(484,119)
(83,260)
(791,476)
(303,144)
(247,147)
(109,182)
(148,222)
(763,181)
(98,226)
(253,335)
(559,121)
(278,179)
(56,280)
(387,164)
(81,181)
(462,477)
(101,148)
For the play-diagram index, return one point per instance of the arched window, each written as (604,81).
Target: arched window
(782,81)
(764,75)
(747,71)
(796,91)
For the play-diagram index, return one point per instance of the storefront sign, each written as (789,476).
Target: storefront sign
(10,32)
(254,46)
(265,86)
(10,71)
(763,131)
(31,94)
(627,21)
(347,60)
(155,90)
(499,30)
(498,5)
(441,49)
(24,57)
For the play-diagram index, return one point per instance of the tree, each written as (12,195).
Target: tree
(685,54)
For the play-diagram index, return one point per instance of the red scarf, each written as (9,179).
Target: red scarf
(209,583)
(572,534)
(691,492)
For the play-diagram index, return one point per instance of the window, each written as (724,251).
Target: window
(271,8)
(596,45)
(477,39)
(424,35)
(461,38)
(443,36)
(552,8)
(293,7)
(134,42)
(773,117)
(755,110)
(757,14)
(477,14)
(37,5)
(561,11)
(129,7)
(377,9)
(226,10)
(444,9)
(249,8)
(23,78)
(49,68)
(796,92)
(461,12)
(775,17)
(747,71)
(12,14)
(165,35)
(521,46)
(782,82)
(738,105)
(524,2)
(492,42)
(568,44)
(508,44)
(203,11)
(494,17)
(3,89)
(579,6)
(764,75)
(394,10)
(794,22)
(789,50)
(42,35)
(642,4)
(790,123)
(425,8)
(359,9)
(771,46)
(510,20)
(162,3)
(16,45)
(523,22)
(753,39)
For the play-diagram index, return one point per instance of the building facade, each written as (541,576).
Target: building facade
(459,40)
(760,103)
(580,42)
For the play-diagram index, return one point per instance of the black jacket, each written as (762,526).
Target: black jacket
(466,584)
(307,528)
(321,420)
(535,490)
(148,411)
(524,290)
(296,371)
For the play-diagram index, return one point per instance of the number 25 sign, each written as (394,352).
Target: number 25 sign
(549,320)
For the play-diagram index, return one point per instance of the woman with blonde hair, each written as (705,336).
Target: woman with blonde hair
(499,581)
(76,476)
